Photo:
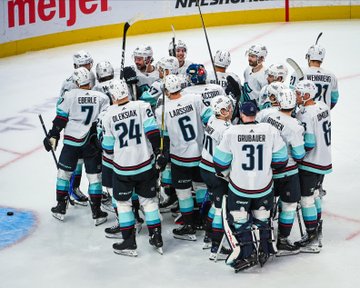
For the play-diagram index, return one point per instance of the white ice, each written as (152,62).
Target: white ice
(76,254)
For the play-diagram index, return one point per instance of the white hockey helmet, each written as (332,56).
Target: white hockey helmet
(172,83)
(222,58)
(179,44)
(306,86)
(257,50)
(220,102)
(170,63)
(277,70)
(81,58)
(81,76)
(118,89)
(275,88)
(104,69)
(286,99)
(315,52)
(144,51)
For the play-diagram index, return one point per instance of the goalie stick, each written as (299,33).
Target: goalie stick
(296,67)
(126,28)
(207,41)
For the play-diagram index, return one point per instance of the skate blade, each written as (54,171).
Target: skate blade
(245,267)
(100,221)
(310,249)
(159,250)
(84,203)
(206,246)
(59,216)
(138,227)
(108,208)
(185,237)
(114,236)
(281,253)
(126,252)
(217,257)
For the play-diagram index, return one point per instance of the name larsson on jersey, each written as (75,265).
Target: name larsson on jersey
(180,111)
(251,138)
(124,115)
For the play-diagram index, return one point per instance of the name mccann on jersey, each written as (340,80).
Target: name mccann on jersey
(87,100)
(180,111)
(275,123)
(323,78)
(323,115)
(251,138)
(124,115)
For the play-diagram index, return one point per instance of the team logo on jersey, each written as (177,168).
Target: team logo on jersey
(252,131)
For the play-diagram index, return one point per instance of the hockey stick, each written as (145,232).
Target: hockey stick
(126,28)
(46,134)
(299,220)
(133,86)
(207,41)
(317,39)
(299,73)
(173,41)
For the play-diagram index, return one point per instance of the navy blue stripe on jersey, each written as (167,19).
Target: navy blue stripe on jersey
(181,159)
(318,167)
(286,169)
(73,139)
(135,167)
(246,191)
(107,160)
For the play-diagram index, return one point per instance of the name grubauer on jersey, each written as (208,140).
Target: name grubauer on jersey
(184,124)
(325,81)
(317,122)
(207,91)
(214,131)
(292,133)
(126,128)
(250,150)
(80,109)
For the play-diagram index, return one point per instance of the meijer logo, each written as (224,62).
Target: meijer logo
(46,10)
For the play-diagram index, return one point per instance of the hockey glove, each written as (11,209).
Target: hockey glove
(161,162)
(51,140)
(130,75)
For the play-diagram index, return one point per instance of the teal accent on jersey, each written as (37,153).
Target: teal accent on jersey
(334,97)
(211,213)
(166,176)
(280,156)
(61,113)
(314,170)
(150,125)
(246,91)
(147,97)
(265,106)
(200,195)
(62,184)
(298,152)
(287,217)
(152,218)
(166,133)
(107,164)
(222,158)
(134,172)
(95,189)
(186,205)
(310,140)
(206,167)
(72,143)
(126,219)
(206,114)
(134,196)
(252,196)
(286,174)
(108,143)
(185,164)
(309,213)
(217,222)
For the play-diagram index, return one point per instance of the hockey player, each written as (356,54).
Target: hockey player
(275,73)
(104,73)
(183,116)
(315,116)
(325,81)
(77,112)
(250,151)
(80,59)
(286,180)
(254,75)
(132,135)
(180,53)
(217,187)
(196,75)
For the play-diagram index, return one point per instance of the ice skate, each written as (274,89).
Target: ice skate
(242,264)
(169,203)
(309,243)
(59,210)
(285,248)
(98,215)
(127,247)
(156,240)
(106,202)
(113,232)
(207,242)
(186,232)
(78,197)
(218,253)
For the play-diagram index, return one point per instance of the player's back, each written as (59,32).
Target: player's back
(222,78)
(207,91)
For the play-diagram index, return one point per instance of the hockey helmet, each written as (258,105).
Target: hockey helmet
(222,58)
(196,73)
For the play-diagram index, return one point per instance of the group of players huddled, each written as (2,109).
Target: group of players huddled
(230,158)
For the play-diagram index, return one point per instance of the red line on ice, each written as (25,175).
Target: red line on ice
(10,151)
(21,156)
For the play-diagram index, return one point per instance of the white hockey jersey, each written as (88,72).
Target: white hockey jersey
(184,120)
(207,91)
(152,95)
(182,69)
(325,81)
(222,81)
(69,84)
(249,151)
(317,122)
(126,128)
(104,88)
(214,131)
(262,114)
(146,79)
(80,108)
(292,133)
(253,82)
